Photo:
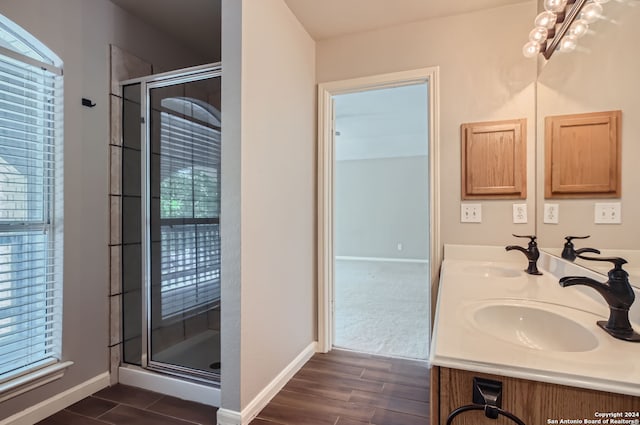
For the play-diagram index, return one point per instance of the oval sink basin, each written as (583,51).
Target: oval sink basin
(534,328)
(492,271)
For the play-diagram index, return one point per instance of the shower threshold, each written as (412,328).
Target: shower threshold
(136,376)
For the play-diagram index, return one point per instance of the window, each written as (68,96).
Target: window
(189,206)
(30,173)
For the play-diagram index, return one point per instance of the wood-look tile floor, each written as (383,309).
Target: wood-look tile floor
(337,388)
(347,388)
(123,405)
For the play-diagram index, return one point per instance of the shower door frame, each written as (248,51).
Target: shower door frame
(147,83)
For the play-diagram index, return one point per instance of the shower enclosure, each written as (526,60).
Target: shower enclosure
(171,223)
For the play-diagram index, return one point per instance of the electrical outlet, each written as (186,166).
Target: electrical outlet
(551,213)
(519,213)
(608,213)
(471,213)
(399,246)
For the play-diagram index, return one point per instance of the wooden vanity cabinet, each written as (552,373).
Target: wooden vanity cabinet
(535,403)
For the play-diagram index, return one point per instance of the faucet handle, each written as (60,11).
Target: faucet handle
(617,273)
(531,237)
(616,261)
(570,238)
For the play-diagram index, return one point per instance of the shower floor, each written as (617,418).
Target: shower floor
(200,352)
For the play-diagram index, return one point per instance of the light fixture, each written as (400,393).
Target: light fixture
(560,25)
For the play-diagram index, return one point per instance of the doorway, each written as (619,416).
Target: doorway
(381,216)
(377,228)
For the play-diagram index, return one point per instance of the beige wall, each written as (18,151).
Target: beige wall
(273,310)
(278,192)
(79,32)
(380,203)
(483,76)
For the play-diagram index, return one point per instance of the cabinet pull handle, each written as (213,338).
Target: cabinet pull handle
(490,411)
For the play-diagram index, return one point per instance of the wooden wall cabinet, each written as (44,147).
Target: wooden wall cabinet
(535,403)
(582,155)
(494,160)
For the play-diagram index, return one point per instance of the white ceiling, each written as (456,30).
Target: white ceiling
(331,18)
(383,123)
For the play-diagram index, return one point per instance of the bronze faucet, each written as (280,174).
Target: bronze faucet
(531,252)
(570,253)
(617,292)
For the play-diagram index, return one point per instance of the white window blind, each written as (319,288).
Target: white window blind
(30,251)
(189,208)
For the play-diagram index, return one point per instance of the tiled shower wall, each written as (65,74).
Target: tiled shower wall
(124,66)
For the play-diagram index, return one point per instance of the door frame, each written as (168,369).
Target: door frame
(326,182)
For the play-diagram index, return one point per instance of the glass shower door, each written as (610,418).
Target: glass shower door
(183,227)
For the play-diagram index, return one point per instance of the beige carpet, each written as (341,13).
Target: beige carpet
(382,307)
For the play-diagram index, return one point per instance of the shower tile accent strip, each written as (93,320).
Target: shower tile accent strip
(115,269)
(123,66)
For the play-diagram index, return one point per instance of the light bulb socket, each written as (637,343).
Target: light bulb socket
(543,47)
(551,33)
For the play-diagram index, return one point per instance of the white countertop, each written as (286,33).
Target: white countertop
(474,277)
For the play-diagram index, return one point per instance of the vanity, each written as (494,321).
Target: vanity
(538,340)
(523,341)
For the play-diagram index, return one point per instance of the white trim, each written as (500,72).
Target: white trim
(230,417)
(168,385)
(32,380)
(58,402)
(31,61)
(177,74)
(326,91)
(383,259)
(326,141)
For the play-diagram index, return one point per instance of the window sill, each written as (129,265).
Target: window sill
(32,380)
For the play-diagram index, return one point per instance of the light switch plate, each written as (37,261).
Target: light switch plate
(471,213)
(551,213)
(519,213)
(608,213)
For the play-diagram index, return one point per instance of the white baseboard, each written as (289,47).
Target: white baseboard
(390,260)
(230,417)
(168,385)
(58,402)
